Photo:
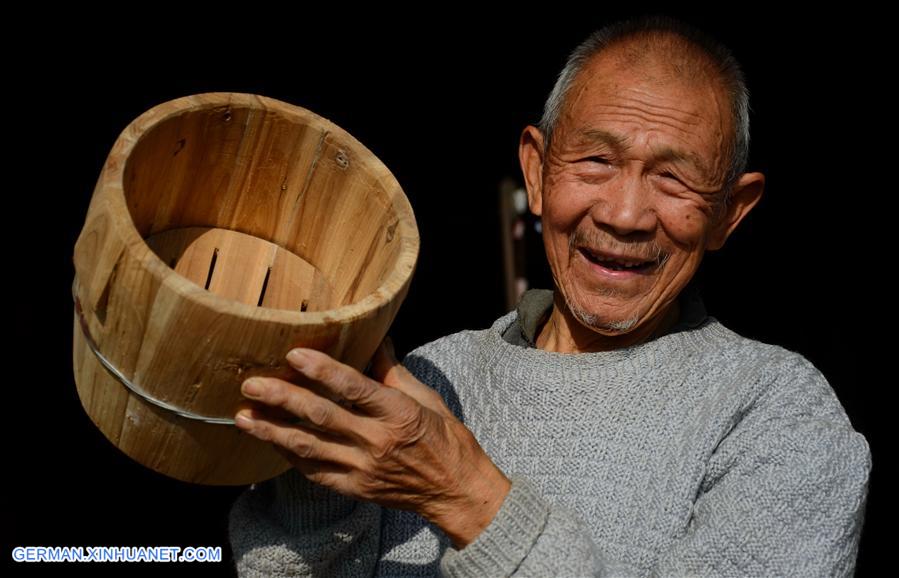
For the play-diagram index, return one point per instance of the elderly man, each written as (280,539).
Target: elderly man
(610,426)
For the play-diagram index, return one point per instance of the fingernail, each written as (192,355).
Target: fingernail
(243,420)
(297,357)
(252,387)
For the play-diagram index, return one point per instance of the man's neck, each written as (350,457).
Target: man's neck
(563,333)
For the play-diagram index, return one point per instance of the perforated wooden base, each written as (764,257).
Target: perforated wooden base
(244,268)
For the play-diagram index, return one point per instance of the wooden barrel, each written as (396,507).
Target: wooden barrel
(224,230)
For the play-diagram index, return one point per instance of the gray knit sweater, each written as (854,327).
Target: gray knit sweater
(699,453)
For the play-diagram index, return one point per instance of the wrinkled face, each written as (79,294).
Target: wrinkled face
(630,190)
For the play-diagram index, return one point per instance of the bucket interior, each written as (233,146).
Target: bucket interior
(269,208)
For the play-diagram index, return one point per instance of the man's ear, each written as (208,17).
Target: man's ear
(530,154)
(745,195)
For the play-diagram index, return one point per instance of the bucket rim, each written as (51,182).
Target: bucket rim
(112,187)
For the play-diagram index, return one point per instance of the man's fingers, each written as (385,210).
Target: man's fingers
(298,402)
(270,413)
(334,476)
(386,369)
(299,442)
(340,381)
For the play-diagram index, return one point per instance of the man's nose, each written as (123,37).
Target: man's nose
(625,205)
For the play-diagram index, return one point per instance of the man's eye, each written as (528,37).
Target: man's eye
(602,160)
(669,175)
(670,182)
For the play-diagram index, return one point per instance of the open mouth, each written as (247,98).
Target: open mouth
(632,265)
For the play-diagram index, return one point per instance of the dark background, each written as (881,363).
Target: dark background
(441,99)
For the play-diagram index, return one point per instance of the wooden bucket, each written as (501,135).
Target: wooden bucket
(224,230)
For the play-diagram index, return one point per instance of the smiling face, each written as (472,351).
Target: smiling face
(630,192)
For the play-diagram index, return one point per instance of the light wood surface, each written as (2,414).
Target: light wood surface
(224,230)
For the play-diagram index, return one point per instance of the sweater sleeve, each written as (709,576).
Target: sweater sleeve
(528,537)
(784,495)
(292,527)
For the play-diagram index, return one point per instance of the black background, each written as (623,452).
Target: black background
(441,99)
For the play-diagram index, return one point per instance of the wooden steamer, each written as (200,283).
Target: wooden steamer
(226,229)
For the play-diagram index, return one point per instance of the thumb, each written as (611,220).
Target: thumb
(386,369)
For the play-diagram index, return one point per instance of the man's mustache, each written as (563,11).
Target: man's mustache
(601,242)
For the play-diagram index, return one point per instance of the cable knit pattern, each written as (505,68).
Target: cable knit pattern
(699,453)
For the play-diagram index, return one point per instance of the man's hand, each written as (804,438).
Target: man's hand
(389,440)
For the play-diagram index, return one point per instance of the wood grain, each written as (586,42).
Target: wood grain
(224,230)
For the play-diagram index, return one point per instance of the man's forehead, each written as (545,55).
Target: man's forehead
(604,80)
(687,106)
(646,72)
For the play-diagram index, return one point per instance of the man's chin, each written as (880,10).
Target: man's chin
(603,325)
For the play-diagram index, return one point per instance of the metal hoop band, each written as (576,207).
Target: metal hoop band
(120,377)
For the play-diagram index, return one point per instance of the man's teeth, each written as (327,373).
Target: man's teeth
(617,265)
